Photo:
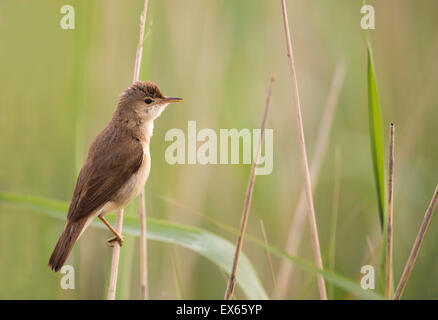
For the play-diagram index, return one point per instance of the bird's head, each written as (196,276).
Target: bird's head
(145,99)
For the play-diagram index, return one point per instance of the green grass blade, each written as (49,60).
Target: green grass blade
(332,277)
(340,281)
(205,243)
(376,137)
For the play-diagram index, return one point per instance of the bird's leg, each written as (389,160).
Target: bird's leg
(117,236)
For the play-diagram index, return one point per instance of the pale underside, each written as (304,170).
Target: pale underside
(128,191)
(136,182)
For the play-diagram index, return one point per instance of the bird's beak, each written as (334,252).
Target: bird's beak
(170,100)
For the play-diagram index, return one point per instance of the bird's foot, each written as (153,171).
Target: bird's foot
(117,238)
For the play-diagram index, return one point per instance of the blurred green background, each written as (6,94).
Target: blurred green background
(58,88)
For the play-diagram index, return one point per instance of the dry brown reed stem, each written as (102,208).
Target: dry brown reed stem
(115,260)
(247,203)
(296,229)
(119,223)
(416,248)
(389,237)
(139,52)
(304,163)
(143,247)
(141,205)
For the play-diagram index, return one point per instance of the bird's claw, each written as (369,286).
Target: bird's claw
(111,241)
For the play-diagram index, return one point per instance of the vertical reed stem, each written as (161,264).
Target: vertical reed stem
(304,163)
(115,260)
(296,228)
(416,248)
(143,248)
(119,223)
(141,205)
(139,52)
(389,226)
(247,204)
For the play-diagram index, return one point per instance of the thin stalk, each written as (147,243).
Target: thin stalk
(304,163)
(139,52)
(224,276)
(143,247)
(141,205)
(389,223)
(115,261)
(247,203)
(417,245)
(119,222)
(296,228)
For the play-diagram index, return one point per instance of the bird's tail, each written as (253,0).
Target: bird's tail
(71,233)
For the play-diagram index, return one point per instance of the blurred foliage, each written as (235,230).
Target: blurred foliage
(60,87)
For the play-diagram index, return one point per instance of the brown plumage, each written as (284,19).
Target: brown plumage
(117,165)
(65,244)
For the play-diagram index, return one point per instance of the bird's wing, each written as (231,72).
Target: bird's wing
(112,163)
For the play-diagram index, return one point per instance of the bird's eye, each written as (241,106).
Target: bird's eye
(148,101)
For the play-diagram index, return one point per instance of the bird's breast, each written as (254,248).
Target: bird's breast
(136,182)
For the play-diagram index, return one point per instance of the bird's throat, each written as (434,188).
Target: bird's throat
(147,128)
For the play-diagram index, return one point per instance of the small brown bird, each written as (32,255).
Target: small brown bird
(117,165)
